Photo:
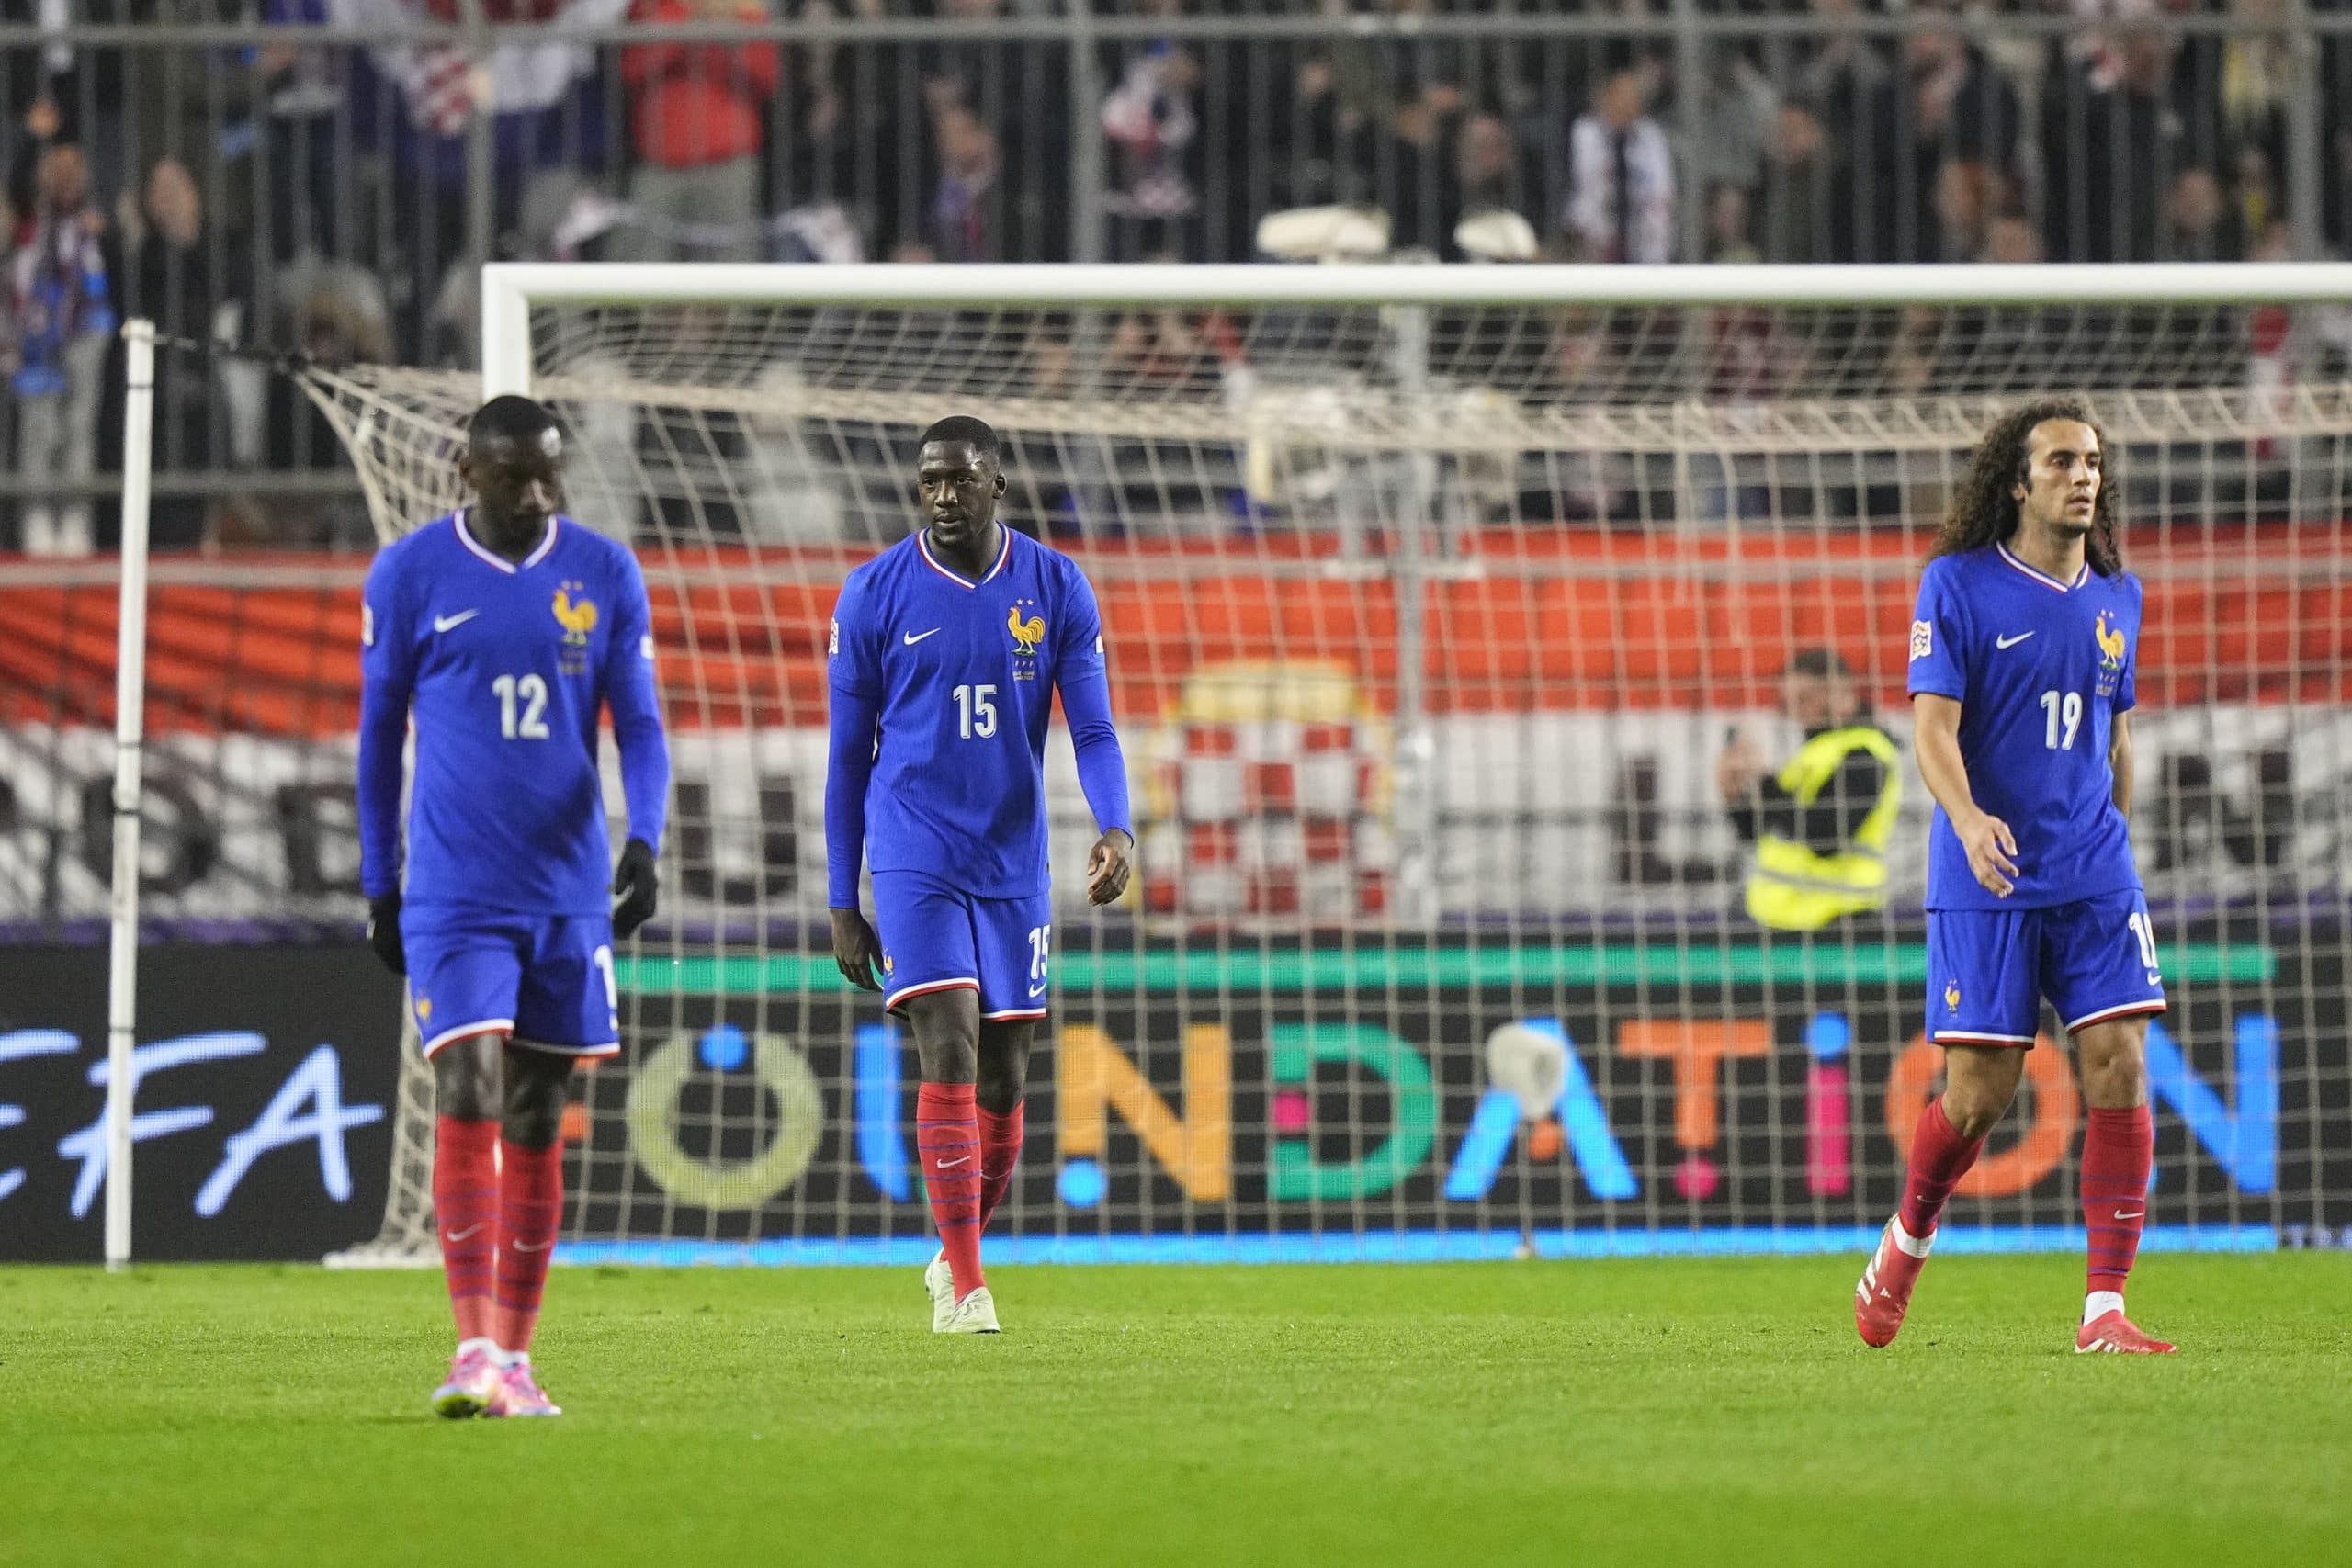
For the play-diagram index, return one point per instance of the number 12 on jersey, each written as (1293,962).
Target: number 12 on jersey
(522,707)
(975,711)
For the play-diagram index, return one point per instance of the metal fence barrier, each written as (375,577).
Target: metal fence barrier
(325,175)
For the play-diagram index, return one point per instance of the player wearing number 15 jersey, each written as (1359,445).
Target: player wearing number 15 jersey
(2022,655)
(504,631)
(945,654)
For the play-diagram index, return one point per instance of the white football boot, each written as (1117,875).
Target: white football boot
(939,1283)
(975,1313)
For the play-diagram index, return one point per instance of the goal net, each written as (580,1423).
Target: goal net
(1434,598)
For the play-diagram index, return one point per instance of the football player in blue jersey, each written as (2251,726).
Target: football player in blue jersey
(2021,666)
(504,630)
(946,653)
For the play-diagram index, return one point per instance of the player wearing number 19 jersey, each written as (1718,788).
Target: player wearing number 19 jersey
(504,630)
(945,654)
(2022,663)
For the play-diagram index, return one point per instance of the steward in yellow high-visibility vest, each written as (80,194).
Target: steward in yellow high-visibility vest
(1820,823)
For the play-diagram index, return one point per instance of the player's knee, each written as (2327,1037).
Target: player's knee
(465,1079)
(946,1027)
(997,1091)
(1975,1106)
(2118,1076)
(1004,1065)
(534,1102)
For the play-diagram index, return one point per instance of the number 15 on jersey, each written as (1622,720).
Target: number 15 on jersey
(976,712)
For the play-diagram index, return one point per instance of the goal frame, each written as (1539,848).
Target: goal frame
(509,290)
(511,294)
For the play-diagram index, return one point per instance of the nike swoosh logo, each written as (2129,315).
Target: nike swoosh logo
(1038,989)
(461,1236)
(526,1246)
(2155,978)
(2122,1216)
(951,1164)
(2010,641)
(914,637)
(443,623)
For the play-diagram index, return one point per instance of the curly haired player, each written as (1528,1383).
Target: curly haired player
(2021,681)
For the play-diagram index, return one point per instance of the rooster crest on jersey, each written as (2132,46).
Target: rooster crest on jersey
(577,616)
(2110,644)
(1027,632)
(1951,995)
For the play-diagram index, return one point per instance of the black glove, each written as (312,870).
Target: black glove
(384,932)
(639,884)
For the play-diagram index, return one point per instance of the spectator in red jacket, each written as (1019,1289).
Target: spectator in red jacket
(699,112)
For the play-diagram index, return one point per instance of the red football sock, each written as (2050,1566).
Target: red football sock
(530,1212)
(2117,1151)
(999,1152)
(1940,1157)
(947,1141)
(464,1212)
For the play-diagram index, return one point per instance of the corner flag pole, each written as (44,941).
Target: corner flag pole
(130,702)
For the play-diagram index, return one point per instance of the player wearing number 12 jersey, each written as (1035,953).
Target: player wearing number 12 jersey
(946,653)
(504,630)
(2022,654)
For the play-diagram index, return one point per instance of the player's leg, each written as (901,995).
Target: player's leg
(531,1213)
(1982,1007)
(931,972)
(566,1011)
(1014,938)
(2105,978)
(463,977)
(946,1025)
(464,1212)
(1004,1078)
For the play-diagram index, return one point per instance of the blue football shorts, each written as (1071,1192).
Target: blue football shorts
(546,980)
(1989,969)
(937,938)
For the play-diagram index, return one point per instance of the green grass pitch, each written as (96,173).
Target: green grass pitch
(1716,1413)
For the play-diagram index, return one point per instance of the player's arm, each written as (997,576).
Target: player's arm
(1992,847)
(2127,697)
(853,717)
(1939,685)
(2119,758)
(1084,680)
(387,682)
(636,708)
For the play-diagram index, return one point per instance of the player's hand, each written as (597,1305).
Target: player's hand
(1109,864)
(857,949)
(638,881)
(384,932)
(1991,850)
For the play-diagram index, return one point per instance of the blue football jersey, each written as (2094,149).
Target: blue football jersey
(505,668)
(2039,667)
(963,673)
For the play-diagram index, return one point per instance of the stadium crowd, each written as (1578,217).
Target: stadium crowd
(325,195)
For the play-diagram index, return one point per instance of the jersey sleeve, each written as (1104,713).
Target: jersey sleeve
(1082,674)
(854,681)
(1078,652)
(635,705)
(1938,637)
(852,643)
(386,680)
(2126,695)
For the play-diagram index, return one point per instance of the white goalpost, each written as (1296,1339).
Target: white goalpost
(1431,594)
